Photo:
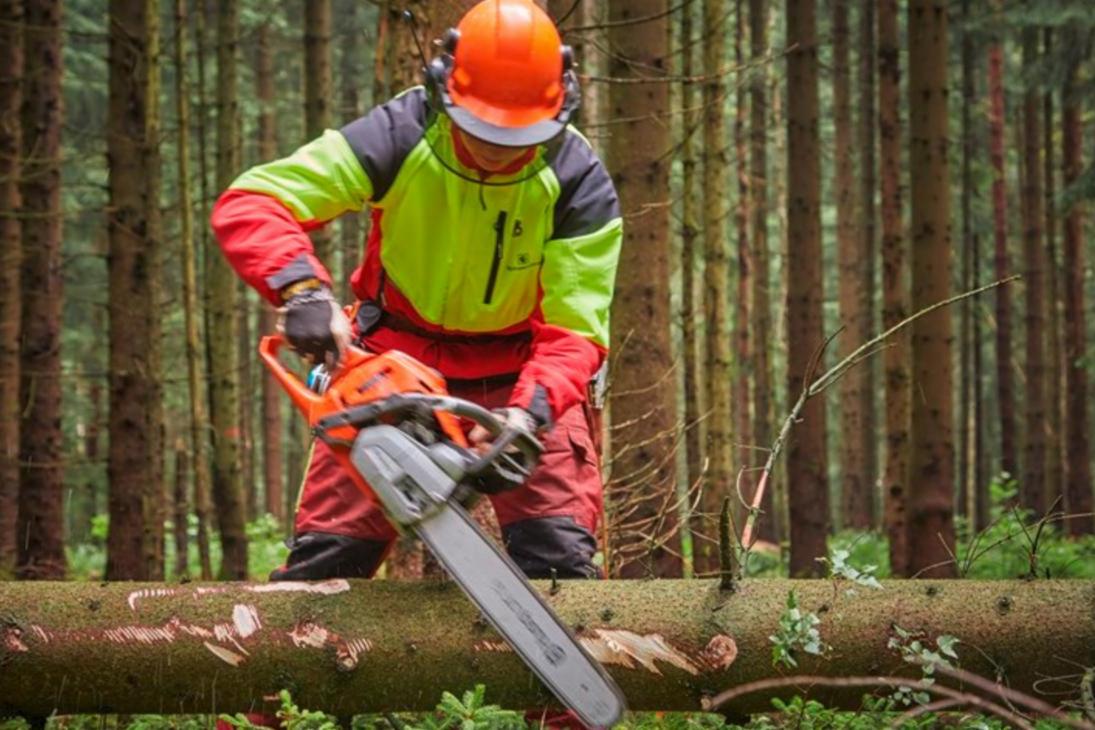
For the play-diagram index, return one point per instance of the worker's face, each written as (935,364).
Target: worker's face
(490,157)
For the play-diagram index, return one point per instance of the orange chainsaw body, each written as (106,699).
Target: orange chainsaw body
(360,378)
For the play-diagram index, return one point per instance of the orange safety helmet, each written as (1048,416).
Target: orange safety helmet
(505,76)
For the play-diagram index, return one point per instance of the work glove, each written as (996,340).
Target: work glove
(513,466)
(513,418)
(313,323)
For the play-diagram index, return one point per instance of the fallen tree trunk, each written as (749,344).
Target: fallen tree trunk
(356,647)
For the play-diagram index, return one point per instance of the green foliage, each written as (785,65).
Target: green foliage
(841,569)
(290,716)
(471,712)
(797,630)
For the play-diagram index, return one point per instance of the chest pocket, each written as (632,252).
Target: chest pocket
(525,248)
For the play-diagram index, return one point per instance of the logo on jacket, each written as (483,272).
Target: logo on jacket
(518,229)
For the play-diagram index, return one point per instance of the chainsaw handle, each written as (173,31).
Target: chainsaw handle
(303,398)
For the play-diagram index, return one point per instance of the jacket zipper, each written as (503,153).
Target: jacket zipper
(496,262)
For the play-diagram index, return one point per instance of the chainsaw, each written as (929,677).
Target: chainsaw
(392,425)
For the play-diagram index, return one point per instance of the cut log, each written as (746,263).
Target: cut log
(357,647)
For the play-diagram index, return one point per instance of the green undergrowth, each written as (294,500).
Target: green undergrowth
(472,711)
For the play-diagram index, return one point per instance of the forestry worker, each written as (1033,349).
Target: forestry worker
(491,257)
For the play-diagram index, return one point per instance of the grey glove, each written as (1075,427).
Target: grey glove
(314,324)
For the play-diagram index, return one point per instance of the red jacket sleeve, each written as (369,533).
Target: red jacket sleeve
(556,376)
(264,243)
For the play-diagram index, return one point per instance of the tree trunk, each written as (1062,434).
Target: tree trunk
(1078,497)
(931,503)
(221,331)
(1032,485)
(644,435)
(895,291)
(808,491)
(181,516)
(1005,393)
(318,93)
(272,464)
(247,345)
(1054,372)
(868,237)
(854,488)
(355,647)
(350,76)
(133,224)
(192,310)
(40,522)
(763,341)
(968,388)
(691,356)
(743,355)
(11,258)
(716,296)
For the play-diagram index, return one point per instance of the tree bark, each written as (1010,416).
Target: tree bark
(969,388)
(134,543)
(1033,484)
(11,259)
(272,464)
(855,490)
(193,306)
(719,481)
(355,647)
(350,77)
(318,93)
(743,345)
(643,439)
(181,515)
(691,355)
(763,342)
(931,504)
(808,491)
(1055,457)
(40,522)
(868,188)
(895,291)
(221,329)
(1005,392)
(1078,497)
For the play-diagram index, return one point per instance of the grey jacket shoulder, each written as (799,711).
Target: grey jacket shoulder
(587,199)
(384,137)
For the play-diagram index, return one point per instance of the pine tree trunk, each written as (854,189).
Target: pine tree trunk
(642,444)
(221,330)
(808,491)
(855,490)
(351,75)
(868,188)
(719,483)
(318,93)
(1055,457)
(743,346)
(247,346)
(931,502)
(181,515)
(1005,393)
(40,522)
(136,523)
(968,388)
(343,647)
(763,342)
(895,292)
(691,209)
(1033,483)
(11,256)
(193,305)
(1078,497)
(272,464)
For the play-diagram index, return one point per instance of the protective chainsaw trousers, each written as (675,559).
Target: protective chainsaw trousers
(548,525)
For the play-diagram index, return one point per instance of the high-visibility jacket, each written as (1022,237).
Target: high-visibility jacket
(482,275)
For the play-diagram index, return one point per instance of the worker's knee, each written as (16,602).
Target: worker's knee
(323,555)
(547,546)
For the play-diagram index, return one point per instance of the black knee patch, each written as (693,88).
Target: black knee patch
(544,544)
(322,555)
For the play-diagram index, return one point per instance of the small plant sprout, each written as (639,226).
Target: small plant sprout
(840,569)
(915,649)
(798,630)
